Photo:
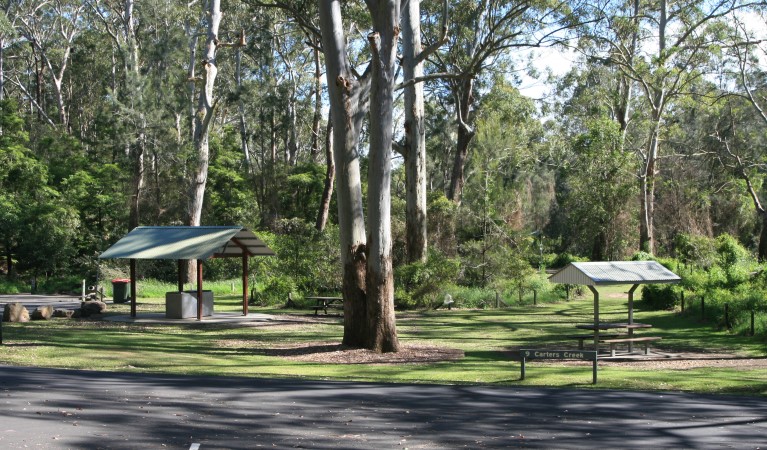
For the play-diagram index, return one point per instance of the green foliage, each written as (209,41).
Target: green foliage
(697,250)
(642,256)
(467,297)
(13,286)
(307,257)
(730,251)
(419,284)
(598,186)
(274,291)
(71,285)
(659,297)
(563,259)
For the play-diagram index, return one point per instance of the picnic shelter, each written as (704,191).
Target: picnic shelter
(188,243)
(606,273)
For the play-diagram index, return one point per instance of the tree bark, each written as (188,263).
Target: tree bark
(762,249)
(465,98)
(241,106)
(202,120)
(380,274)
(317,117)
(330,179)
(415,136)
(348,98)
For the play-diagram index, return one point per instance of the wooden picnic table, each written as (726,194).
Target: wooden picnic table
(613,340)
(323,303)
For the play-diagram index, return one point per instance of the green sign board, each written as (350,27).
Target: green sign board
(530,355)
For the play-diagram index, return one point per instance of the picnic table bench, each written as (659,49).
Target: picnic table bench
(613,340)
(629,340)
(325,303)
(583,337)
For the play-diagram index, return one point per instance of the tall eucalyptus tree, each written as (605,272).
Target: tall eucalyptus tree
(740,135)
(50,27)
(368,282)
(118,19)
(672,43)
(414,145)
(486,32)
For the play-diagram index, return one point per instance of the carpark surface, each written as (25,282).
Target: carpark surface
(54,408)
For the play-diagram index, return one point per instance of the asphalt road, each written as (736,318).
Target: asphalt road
(50,408)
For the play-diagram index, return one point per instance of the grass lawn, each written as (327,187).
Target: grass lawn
(487,337)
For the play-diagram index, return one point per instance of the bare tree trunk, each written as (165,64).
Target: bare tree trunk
(348,98)
(647,188)
(380,274)
(330,179)
(465,98)
(317,117)
(415,136)
(2,70)
(292,138)
(202,119)
(139,147)
(241,105)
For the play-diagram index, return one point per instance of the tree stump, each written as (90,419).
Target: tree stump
(15,312)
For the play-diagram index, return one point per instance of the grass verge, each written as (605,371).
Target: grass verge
(487,337)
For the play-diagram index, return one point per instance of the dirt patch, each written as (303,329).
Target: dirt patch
(335,353)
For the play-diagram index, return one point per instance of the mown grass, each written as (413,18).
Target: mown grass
(487,337)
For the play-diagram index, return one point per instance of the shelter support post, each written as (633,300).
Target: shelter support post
(244,284)
(596,317)
(133,288)
(199,289)
(181,275)
(631,315)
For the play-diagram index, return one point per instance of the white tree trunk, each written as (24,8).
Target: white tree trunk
(347,97)
(415,135)
(202,120)
(380,275)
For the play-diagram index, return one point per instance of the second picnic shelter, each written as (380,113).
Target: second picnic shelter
(610,273)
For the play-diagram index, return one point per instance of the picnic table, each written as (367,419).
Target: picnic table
(323,303)
(614,339)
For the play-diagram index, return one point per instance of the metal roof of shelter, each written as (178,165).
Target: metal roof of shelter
(614,272)
(187,243)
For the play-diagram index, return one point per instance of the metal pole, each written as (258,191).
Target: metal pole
(596,318)
(631,315)
(244,284)
(180,265)
(133,288)
(594,368)
(199,289)
(522,373)
(1,325)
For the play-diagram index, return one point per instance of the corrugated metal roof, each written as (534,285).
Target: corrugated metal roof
(614,272)
(187,243)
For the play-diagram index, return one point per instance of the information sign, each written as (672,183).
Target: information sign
(530,355)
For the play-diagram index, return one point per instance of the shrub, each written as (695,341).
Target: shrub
(274,291)
(417,284)
(659,296)
(564,259)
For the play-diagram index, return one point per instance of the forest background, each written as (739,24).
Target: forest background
(648,142)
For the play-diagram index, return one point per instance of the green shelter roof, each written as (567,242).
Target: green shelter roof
(187,243)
